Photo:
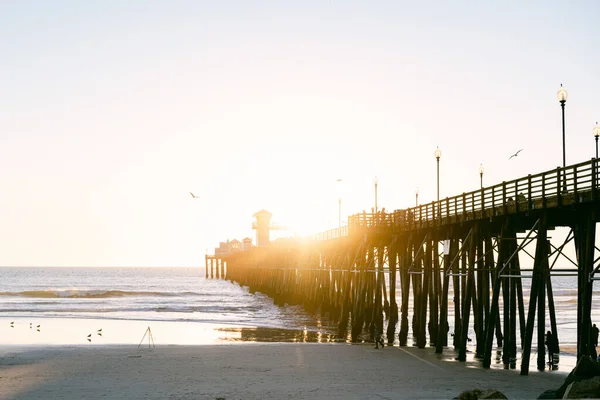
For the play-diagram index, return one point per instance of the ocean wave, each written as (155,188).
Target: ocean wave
(92,294)
(202,309)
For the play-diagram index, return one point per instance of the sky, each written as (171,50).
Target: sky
(112,112)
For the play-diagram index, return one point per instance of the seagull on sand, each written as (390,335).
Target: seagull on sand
(516,154)
(90,335)
(193,195)
(100,330)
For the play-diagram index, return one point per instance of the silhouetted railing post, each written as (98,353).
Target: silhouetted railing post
(482,194)
(504,208)
(595,178)
(564,189)
(575,181)
(530,202)
(544,190)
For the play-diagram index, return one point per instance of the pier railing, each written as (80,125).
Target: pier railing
(332,233)
(558,187)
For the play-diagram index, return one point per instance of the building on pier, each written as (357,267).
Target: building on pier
(262,225)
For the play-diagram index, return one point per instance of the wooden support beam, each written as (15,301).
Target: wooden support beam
(483,295)
(377,319)
(443,331)
(489,339)
(435,293)
(493,323)
(405,261)
(541,323)
(427,276)
(393,311)
(456,288)
(417,289)
(541,252)
(469,289)
(585,236)
(551,309)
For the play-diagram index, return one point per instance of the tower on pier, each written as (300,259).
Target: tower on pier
(262,225)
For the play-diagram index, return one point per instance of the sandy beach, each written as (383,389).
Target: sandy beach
(252,371)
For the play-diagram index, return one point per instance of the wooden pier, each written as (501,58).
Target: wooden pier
(469,243)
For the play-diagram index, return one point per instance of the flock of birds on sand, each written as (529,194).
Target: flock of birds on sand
(12,325)
(89,337)
(99,332)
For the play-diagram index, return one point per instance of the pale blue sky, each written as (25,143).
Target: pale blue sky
(111,112)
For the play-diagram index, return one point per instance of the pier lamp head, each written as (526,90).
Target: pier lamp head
(438,153)
(597,131)
(375,181)
(481,169)
(339,183)
(561,94)
(417,190)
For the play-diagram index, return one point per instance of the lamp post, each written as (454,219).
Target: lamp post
(481,170)
(339,190)
(417,197)
(596,134)
(562,98)
(438,154)
(375,182)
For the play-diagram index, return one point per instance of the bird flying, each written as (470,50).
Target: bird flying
(193,195)
(516,154)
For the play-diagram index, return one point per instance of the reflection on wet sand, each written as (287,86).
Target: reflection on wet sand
(276,335)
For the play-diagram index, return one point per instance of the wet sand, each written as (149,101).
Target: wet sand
(253,371)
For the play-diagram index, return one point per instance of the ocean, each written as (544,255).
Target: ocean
(217,311)
(162,297)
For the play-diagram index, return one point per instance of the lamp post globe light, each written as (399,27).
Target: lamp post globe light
(596,134)
(417,197)
(562,98)
(375,183)
(481,171)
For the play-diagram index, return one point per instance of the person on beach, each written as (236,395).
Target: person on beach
(552,344)
(378,334)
